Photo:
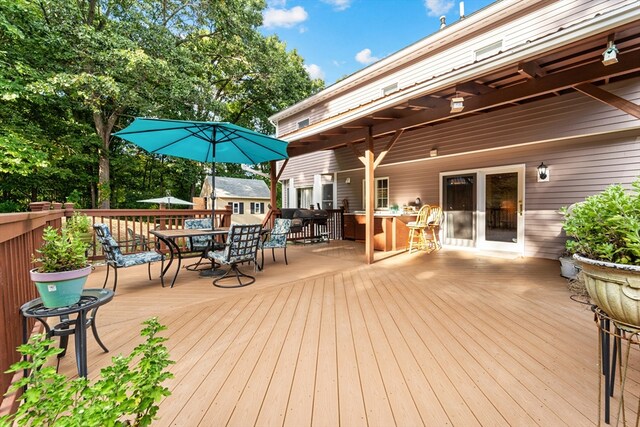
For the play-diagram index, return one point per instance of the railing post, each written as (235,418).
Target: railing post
(68,209)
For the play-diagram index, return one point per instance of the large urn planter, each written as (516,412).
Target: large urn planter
(615,288)
(60,289)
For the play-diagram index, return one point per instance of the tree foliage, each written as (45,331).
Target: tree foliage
(74,72)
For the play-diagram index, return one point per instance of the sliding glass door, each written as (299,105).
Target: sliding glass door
(484,208)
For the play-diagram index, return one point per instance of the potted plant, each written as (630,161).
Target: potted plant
(604,235)
(63,268)
(80,224)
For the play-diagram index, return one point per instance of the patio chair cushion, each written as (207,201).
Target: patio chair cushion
(140,258)
(238,249)
(198,243)
(278,235)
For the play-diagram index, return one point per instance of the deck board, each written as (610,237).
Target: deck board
(449,338)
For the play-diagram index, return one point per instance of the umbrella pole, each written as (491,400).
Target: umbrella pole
(213,195)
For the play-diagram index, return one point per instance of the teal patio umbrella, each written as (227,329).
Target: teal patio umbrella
(208,142)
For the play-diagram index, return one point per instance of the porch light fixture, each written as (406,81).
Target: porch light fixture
(543,173)
(610,54)
(457,104)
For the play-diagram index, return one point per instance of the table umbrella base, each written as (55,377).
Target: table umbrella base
(212,272)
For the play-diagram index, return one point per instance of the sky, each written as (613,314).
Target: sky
(339,37)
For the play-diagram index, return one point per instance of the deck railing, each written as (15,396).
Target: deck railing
(21,235)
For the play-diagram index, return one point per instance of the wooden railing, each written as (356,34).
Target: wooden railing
(20,235)
(130,226)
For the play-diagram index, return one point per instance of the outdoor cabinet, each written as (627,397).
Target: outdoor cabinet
(349,232)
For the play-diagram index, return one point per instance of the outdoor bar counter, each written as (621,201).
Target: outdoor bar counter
(390,232)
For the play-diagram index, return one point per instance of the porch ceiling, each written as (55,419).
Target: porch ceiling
(555,73)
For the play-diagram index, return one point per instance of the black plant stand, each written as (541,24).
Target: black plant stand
(623,337)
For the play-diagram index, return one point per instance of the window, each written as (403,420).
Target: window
(380,191)
(257,207)
(387,90)
(237,207)
(303,123)
(305,197)
(487,51)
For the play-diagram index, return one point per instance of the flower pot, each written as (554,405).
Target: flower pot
(615,288)
(568,268)
(62,288)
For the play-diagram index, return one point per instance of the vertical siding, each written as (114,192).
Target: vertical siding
(539,23)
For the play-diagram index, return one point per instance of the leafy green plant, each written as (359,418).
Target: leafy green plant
(606,226)
(61,251)
(126,394)
(79,223)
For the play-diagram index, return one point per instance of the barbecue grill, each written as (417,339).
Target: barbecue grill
(315,219)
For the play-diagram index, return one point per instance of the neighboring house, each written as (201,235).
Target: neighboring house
(464,118)
(248,198)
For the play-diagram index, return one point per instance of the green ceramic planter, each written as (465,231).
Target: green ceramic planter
(60,289)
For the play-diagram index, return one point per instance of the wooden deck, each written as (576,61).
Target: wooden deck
(450,338)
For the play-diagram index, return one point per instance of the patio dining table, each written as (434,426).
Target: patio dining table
(170,237)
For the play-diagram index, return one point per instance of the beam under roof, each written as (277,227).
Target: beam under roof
(628,63)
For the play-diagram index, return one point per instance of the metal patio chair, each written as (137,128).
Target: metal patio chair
(241,246)
(115,259)
(276,239)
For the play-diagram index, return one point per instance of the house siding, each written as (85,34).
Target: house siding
(587,144)
(546,18)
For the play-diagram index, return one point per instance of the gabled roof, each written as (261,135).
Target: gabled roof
(237,187)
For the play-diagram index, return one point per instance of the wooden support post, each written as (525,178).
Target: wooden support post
(369,177)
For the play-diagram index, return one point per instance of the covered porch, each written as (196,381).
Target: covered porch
(447,338)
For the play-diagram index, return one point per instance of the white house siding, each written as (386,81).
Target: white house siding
(437,61)
(586,143)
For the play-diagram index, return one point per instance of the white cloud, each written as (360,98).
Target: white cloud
(339,4)
(314,71)
(438,7)
(364,57)
(338,63)
(276,3)
(286,18)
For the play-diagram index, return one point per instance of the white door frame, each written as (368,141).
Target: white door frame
(481,173)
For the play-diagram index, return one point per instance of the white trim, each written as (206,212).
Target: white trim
(480,242)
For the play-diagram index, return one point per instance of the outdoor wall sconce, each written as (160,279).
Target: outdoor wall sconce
(610,54)
(457,104)
(418,202)
(347,181)
(543,173)
(433,152)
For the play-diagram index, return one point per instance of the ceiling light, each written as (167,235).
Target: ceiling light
(457,104)
(610,54)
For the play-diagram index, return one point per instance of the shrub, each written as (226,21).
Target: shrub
(606,226)
(124,395)
(61,251)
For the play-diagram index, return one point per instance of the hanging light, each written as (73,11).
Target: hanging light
(610,54)
(543,172)
(457,104)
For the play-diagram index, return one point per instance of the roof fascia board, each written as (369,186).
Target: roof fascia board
(619,17)
(448,34)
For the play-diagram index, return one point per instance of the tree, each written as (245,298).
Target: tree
(113,60)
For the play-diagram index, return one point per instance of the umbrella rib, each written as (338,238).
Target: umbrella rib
(236,134)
